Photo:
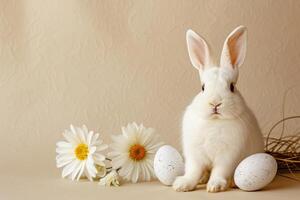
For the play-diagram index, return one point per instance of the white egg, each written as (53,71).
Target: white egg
(168,164)
(255,172)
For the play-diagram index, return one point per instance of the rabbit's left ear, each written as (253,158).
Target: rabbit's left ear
(234,49)
(198,50)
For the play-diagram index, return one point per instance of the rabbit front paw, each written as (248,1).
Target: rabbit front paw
(183,184)
(217,185)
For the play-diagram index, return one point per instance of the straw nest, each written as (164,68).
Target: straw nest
(285,149)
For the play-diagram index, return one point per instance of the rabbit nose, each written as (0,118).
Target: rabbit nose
(215,105)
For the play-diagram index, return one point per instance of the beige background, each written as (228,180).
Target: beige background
(107,63)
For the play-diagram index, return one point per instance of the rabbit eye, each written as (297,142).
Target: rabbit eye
(231,87)
(203,86)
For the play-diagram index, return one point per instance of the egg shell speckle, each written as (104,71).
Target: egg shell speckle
(255,172)
(168,164)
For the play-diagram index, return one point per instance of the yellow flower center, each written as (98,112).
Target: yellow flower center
(137,152)
(82,151)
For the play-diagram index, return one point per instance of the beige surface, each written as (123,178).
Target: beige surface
(47,185)
(107,63)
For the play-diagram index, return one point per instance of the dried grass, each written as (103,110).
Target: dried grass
(285,149)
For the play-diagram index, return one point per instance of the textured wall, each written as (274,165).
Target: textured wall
(106,63)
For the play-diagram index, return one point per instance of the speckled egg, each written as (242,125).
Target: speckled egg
(255,172)
(168,164)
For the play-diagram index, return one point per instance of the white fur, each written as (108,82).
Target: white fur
(214,144)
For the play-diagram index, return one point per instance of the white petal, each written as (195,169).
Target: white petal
(124,132)
(147,173)
(92,150)
(64,144)
(73,129)
(68,169)
(139,171)
(155,147)
(64,150)
(135,174)
(87,173)
(91,166)
(116,146)
(70,137)
(82,166)
(118,161)
(76,169)
(131,131)
(94,138)
(60,164)
(102,147)
(90,170)
(113,154)
(119,139)
(121,147)
(127,170)
(142,171)
(81,135)
(98,156)
(147,136)
(89,137)
(93,170)
(63,159)
(149,166)
(135,126)
(97,143)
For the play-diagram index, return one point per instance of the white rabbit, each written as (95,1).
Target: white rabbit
(218,129)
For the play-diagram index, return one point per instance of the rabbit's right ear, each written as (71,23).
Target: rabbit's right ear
(198,50)
(234,49)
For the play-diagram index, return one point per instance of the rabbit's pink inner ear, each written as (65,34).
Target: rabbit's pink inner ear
(198,50)
(234,50)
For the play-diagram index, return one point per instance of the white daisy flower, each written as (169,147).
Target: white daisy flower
(80,153)
(111,179)
(133,152)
